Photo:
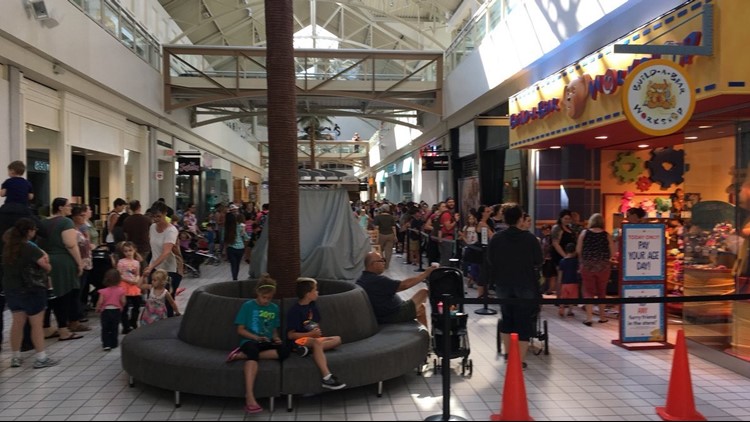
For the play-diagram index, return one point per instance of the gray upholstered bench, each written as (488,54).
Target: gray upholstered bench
(186,354)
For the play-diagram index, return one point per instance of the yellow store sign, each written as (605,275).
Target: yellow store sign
(606,87)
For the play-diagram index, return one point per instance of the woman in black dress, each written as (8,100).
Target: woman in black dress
(562,234)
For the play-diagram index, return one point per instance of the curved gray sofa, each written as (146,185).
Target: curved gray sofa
(187,354)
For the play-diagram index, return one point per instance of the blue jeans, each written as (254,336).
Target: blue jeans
(235,257)
(110,320)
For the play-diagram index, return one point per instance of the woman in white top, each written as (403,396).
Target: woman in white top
(162,238)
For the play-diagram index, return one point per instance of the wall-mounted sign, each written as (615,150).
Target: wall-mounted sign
(658,98)
(189,166)
(40,166)
(643,252)
(436,162)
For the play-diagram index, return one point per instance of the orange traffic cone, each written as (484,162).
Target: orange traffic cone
(515,407)
(680,402)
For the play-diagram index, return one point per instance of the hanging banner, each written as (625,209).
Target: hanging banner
(189,166)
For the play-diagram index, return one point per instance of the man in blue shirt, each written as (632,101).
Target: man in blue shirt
(381,290)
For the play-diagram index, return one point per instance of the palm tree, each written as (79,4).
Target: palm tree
(283,182)
(312,125)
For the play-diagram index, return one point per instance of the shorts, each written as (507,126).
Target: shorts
(406,312)
(519,319)
(252,349)
(569,291)
(549,269)
(30,302)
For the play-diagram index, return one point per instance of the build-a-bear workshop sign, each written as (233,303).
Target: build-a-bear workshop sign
(661,91)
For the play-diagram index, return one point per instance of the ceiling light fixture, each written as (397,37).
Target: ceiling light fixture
(29,128)
(643,146)
(691,137)
(705,127)
(601,137)
(555,147)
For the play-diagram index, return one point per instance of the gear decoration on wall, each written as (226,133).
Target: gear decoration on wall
(666,176)
(627,167)
(643,184)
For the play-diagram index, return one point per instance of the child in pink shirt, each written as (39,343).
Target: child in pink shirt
(130,281)
(110,304)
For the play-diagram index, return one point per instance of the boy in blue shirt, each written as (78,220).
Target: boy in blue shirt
(15,188)
(303,322)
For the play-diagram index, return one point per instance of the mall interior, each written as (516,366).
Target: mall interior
(595,106)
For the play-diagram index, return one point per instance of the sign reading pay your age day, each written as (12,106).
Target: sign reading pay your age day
(642,252)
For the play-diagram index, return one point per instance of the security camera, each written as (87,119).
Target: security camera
(39,9)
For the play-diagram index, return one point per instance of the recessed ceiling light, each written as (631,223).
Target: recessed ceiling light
(76,151)
(704,127)
(643,146)
(691,137)
(89,153)
(601,137)
(555,147)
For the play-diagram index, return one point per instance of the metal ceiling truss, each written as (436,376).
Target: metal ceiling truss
(370,84)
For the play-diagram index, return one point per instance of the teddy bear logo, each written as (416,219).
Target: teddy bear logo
(660,95)
(574,97)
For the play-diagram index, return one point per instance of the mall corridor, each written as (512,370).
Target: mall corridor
(584,377)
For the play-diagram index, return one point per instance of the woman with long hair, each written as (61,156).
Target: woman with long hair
(235,240)
(67,267)
(25,304)
(562,234)
(164,255)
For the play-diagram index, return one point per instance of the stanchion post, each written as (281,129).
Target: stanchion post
(485,310)
(421,251)
(446,319)
(406,246)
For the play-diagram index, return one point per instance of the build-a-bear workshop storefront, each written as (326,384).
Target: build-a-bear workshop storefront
(670,134)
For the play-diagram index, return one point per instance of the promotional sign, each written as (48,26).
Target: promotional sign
(643,252)
(643,322)
(189,166)
(658,99)
(435,162)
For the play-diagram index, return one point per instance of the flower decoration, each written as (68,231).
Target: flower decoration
(644,183)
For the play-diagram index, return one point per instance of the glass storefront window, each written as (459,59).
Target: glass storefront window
(710,214)
(127,35)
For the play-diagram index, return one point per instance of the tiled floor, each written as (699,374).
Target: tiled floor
(584,377)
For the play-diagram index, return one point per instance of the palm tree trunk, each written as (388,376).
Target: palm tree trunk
(283,183)
(312,149)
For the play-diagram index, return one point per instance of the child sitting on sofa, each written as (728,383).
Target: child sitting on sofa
(258,324)
(303,324)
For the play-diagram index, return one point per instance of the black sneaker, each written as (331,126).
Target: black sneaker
(332,383)
(302,351)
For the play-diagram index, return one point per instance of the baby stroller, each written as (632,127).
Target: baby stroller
(189,248)
(540,335)
(204,249)
(449,280)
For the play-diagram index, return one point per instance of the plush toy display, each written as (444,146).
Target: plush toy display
(648,206)
(626,202)
(663,204)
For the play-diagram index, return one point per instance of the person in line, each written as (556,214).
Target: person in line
(385,222)
(155,307)
(67,266)
(25,304)
(562,234)
(514,258)
(258,325)
(118,207)
(448,220)
(303,321)
(469,236)
(129,268)
(78,215)
(165,253)
(595,249)
(110,305)
(235,241)
(15,189)
(382,292)
(635,215)
(569,287)
(136,229)
(549,269)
